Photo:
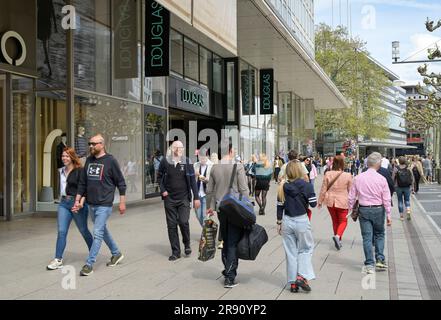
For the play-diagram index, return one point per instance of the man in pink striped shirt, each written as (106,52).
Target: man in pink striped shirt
(372,192)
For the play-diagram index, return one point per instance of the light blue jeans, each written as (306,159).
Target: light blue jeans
(299,245)
(99,216)
(200,213)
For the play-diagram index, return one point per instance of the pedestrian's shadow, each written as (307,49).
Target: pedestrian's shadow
(271,279)
(78,259)
(162,249)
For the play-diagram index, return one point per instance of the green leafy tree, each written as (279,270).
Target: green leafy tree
(422,116)
(361,81)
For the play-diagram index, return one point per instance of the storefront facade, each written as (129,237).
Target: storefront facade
(93,79)
(143,75)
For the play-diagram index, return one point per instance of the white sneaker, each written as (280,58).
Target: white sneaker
(55,264)
(368,269)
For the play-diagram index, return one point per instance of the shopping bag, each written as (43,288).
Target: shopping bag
(207,244)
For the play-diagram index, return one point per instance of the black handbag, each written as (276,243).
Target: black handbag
(355,211)
(237,208)
(252,241)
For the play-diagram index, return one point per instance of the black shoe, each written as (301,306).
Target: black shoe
(337,242)
(86,271)
(187,251)
(173,258)
(224,273)
(229,283)
(302,283)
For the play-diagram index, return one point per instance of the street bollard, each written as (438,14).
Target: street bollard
(438,175)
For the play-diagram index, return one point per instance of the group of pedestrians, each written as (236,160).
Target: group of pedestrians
(89,190)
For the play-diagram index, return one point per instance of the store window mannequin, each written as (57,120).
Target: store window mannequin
(81,145)
(60,148)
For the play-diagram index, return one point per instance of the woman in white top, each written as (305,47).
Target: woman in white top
(69,179)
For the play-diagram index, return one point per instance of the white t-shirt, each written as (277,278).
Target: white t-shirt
(385,163)
(201,189)
(63,181)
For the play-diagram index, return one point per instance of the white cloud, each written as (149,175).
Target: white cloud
(327,4)
(420,43)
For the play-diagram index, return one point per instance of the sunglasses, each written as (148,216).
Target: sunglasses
(94,143)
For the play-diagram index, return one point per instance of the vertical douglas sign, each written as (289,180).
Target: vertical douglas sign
(266,91)
(157,40)
(126,42)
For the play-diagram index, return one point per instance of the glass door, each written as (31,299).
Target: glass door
(22,145)
(2,153)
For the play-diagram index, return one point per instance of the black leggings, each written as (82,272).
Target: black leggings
(251,184)
(417,184)
(261,201)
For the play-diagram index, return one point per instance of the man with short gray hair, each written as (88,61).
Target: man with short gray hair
(372,192)
(178,183)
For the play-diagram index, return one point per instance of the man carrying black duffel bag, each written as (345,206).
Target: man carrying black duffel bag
(217,188)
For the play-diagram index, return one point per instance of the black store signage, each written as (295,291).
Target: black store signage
(125,42)
(185,96)
(266,91)
(18,39)
(157,39)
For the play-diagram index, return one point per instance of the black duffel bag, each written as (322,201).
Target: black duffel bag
(237,208)
(252,241)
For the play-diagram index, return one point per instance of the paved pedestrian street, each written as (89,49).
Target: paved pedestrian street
(412,251)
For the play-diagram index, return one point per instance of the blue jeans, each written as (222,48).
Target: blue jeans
(299,245)
(403,193)
(64,218)
(372,222)
(100,215)
(200,213)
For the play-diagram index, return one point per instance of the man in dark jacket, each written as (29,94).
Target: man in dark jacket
(177,181)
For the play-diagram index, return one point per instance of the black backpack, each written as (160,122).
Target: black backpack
(404,178)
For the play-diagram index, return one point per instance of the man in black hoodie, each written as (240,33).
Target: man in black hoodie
(98,181)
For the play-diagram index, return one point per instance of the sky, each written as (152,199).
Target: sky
(380,22)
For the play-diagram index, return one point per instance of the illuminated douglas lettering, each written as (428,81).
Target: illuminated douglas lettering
(157,40)
(125,34)
(156,32)
(192,97)
(267,91)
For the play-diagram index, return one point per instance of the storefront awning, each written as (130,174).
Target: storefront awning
(264,42)
(386,145)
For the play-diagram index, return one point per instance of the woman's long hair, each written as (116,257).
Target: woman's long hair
(73,156)
(264,159)
(294,171)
